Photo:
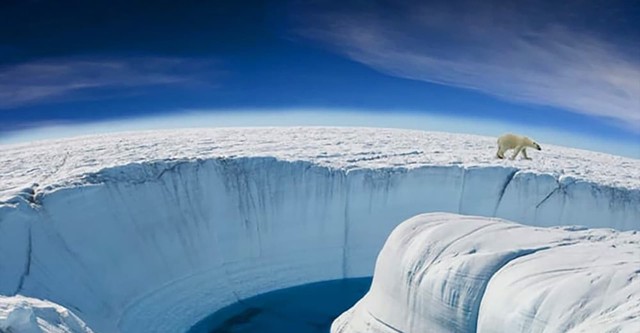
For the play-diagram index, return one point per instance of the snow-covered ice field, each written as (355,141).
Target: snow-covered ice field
(153,231)
(61,161)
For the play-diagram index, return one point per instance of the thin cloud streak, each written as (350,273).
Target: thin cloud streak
(63,79)
(506,54)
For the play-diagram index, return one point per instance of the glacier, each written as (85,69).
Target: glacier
(443,272)
(153,231)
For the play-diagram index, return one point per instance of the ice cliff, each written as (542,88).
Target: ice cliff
(450,273)
(152,231)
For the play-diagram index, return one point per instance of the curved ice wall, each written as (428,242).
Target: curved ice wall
(157,246)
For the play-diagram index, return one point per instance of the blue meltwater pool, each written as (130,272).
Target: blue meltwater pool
(309,308)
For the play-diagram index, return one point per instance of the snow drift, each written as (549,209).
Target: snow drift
(150,232)
(451,273)
(20,314)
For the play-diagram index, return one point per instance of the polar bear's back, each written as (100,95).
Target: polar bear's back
(510,141)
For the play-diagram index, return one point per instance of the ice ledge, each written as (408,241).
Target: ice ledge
(451,273)
(27,168)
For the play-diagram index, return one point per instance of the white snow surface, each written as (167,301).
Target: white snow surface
(20,314)
(450,273)
(59,162)
(153,231)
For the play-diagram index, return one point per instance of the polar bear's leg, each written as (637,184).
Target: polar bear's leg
(516,152)
(524,153)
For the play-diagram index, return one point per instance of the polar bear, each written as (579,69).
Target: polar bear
(517,142)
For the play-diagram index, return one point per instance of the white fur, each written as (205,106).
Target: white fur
(517,142)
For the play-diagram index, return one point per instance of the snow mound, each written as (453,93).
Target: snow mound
(450,273)
(29,315)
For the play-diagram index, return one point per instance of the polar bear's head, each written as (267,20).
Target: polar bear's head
(530,143)
(536,145)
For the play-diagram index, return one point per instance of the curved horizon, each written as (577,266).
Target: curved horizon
(326,117)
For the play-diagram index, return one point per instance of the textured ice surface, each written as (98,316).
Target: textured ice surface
(28,315)
(450,273)
(57,162)
(151,232)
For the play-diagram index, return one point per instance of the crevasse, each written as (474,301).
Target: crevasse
(157,246)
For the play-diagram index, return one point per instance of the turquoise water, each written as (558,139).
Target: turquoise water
(310,308)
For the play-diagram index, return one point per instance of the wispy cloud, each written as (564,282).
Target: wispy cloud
(68,78)
(525,55)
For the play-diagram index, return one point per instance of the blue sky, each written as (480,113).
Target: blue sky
(566,71)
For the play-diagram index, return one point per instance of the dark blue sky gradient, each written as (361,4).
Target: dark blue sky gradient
(258,62)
